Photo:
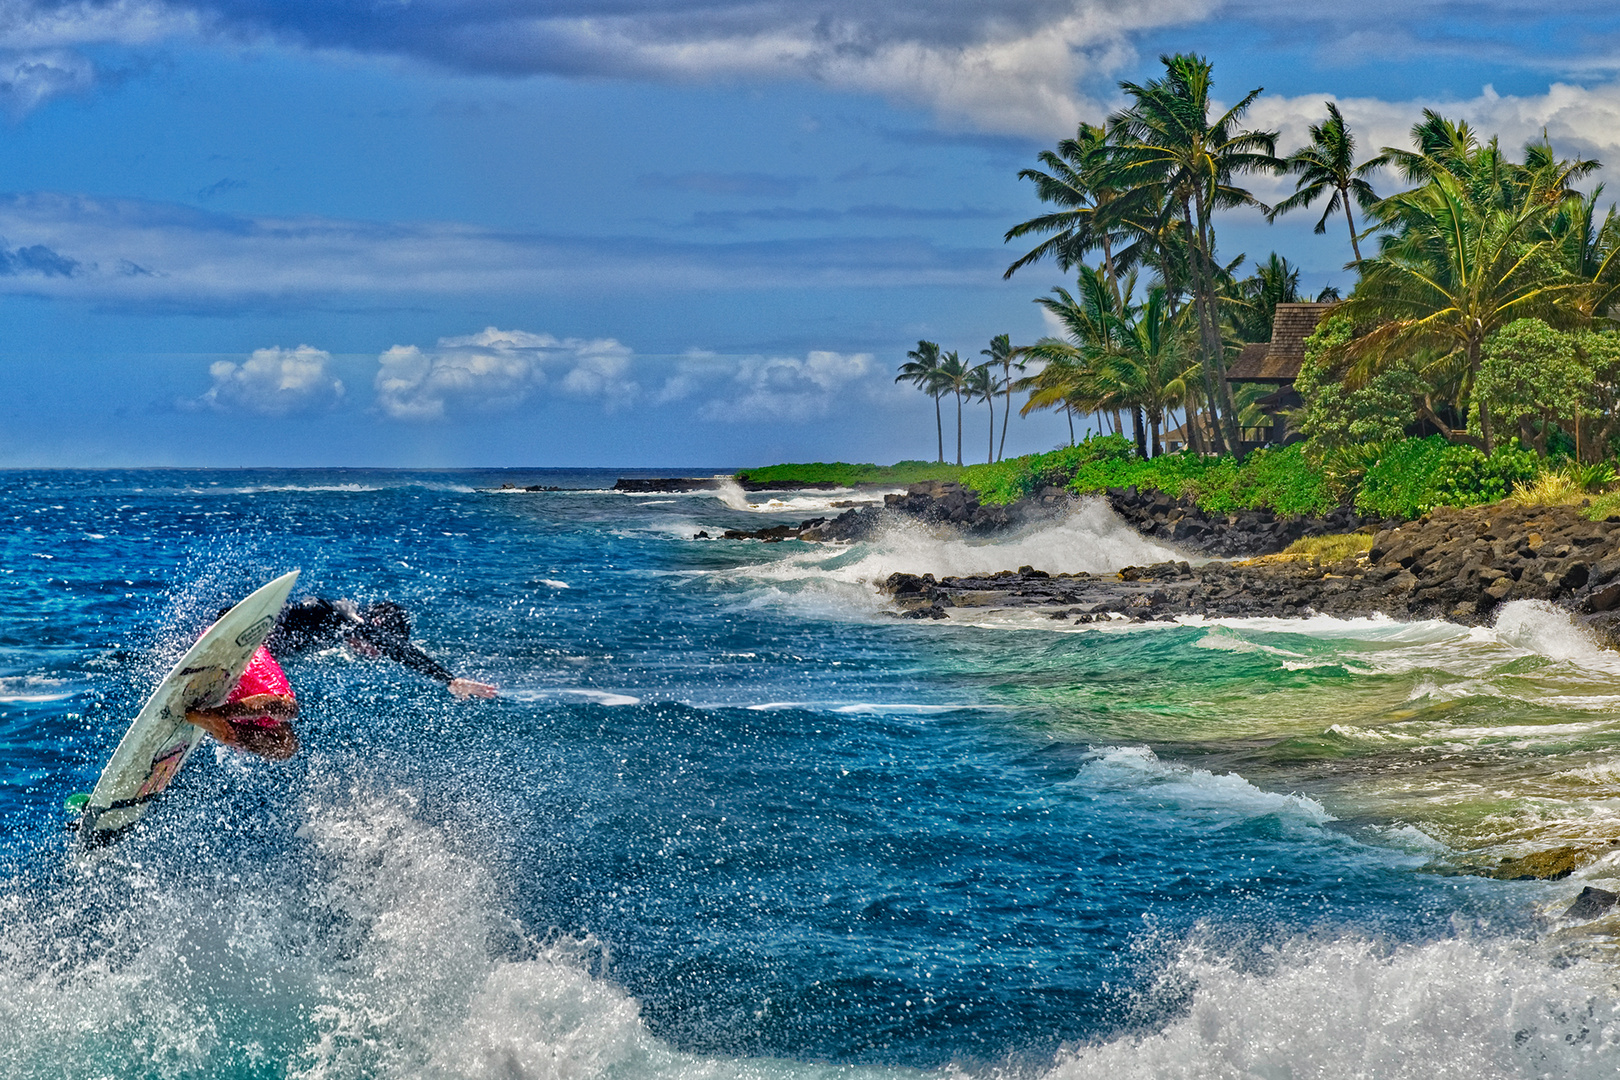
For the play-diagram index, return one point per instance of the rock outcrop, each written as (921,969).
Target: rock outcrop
(1242,534)
(1456,564)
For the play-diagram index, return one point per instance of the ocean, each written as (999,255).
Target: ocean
(730,819)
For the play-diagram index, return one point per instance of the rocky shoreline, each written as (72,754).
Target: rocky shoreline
(1454,564)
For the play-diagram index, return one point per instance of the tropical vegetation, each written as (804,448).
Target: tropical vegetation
(1475,351)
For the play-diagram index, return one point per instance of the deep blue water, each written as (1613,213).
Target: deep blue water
(724,811)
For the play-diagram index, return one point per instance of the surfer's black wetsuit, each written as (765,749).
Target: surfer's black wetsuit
(315,623)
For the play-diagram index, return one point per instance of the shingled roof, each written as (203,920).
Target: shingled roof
(1279,361)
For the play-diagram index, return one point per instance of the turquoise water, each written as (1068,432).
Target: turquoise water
(728,819)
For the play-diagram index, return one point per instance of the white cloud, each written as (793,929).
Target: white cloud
(1004,75)
(497,369)
(767,388)
(274,382)
(131,251)
(1579,120)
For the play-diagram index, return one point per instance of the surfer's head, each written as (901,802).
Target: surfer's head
(387,619)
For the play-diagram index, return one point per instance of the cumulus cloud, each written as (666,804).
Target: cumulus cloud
(1579,120)
(495,370)
(768,388)
(274,382)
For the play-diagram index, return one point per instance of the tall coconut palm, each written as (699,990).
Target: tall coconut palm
(954,377)
(1002,351)
(1167,145)
(1094,213)
(1329,164)
(922,369)
(982,385)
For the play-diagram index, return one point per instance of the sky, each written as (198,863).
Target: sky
(622,233)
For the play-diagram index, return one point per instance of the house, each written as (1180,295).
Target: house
(1275,365)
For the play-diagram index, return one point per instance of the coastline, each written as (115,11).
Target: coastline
(1455,564)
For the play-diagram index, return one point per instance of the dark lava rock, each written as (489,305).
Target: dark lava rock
(665,484)
(1591,903)
(1244,534)
(1456,564)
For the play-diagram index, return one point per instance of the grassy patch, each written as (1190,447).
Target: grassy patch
(1331,548)
(1281,480)
(846,475)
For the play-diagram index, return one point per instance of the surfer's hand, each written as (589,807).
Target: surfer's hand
(466,688)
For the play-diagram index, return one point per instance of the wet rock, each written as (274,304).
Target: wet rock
(1551,865)
(1591,903)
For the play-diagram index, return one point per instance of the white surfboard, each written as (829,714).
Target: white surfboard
(159,739)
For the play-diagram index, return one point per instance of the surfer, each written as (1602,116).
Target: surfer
(379,629)
(258,715)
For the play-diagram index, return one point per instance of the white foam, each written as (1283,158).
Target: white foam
(837,581)
(818,502)
(1138,771)
(23,689)
(1350,1009)
(600,697)
(552,583)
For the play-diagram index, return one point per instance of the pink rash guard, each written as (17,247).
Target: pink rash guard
(263,676)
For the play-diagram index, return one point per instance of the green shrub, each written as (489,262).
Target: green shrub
(1413,476)
(1282,480)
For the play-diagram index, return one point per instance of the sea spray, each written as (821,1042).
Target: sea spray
(1351,1007)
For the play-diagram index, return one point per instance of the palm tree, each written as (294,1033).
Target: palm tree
(1590,249)
(1456,266)
(1060,382)
(1078,178)
(1252,302)
(954,376)
(1001,351)
(982,385)
(922,368)
(1152,361)
(1080,365)
(1328,163)
(1167,148)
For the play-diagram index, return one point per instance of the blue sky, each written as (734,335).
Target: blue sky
(637,233)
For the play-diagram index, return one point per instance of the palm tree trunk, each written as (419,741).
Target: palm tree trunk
(1484,409)
(990,454)
(1153,423)
(1225,411)
(1069,411)
(1344,194)
(959,427)
(1006,413)
(939,428)
(1203,315)
(1139,432)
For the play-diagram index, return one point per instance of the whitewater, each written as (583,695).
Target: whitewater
(731,819)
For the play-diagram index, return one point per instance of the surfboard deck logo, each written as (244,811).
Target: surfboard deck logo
(160,739)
